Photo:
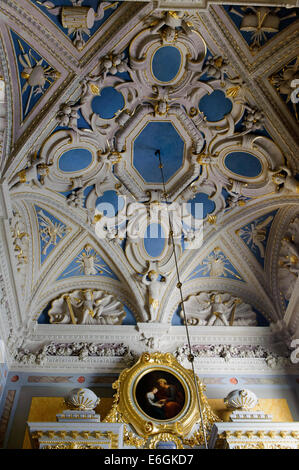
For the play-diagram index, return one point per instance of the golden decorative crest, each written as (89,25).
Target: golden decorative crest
(158,395)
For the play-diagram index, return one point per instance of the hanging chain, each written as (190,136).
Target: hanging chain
(179,286)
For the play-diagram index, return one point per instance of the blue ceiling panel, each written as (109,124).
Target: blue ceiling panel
(215,106)
(243,164)
(166,63)
(75,160)
(108,103)
(158,136)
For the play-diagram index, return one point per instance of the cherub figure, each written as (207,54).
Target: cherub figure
(34,174)
(161,100)
(68,116)
(253,121)
(168,24)
(215,67)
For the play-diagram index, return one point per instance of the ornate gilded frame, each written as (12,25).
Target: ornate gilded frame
(126,409)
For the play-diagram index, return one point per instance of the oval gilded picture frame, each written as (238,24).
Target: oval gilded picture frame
(157,394)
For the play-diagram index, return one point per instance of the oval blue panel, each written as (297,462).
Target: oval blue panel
(75,160)
(243,164)
(154,240)
(166,63)
(215,106)
(108,103)
(200,206)
(110,203)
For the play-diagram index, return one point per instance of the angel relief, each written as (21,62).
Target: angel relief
(218,308)
(85,307)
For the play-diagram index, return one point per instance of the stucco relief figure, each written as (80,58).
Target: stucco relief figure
(235,197)
(255,235)
(20,239)
(86,307)
(288,269)
(218,308)
(286,81)
(215,67)
(168,24)
(154,288)
(253,121)
(68,116)
(259,234)
(88,263)
(34,174)
(78,19)
(284,180)
(50,232)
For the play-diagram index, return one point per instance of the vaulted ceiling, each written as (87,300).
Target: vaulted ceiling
(93,94)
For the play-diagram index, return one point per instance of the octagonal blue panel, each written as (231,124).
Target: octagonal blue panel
(158,136)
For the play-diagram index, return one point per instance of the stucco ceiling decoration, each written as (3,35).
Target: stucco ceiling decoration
(88,225)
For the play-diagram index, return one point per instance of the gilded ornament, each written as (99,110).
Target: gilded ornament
(148,427)
(233,91)
(156,373)
(165,437)
(130,439)
(212,219)
(95,90)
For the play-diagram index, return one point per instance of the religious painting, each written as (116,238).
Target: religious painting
(157,397)
(160,395)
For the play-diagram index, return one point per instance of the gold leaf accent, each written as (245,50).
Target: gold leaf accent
(233,91)
(94,89)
